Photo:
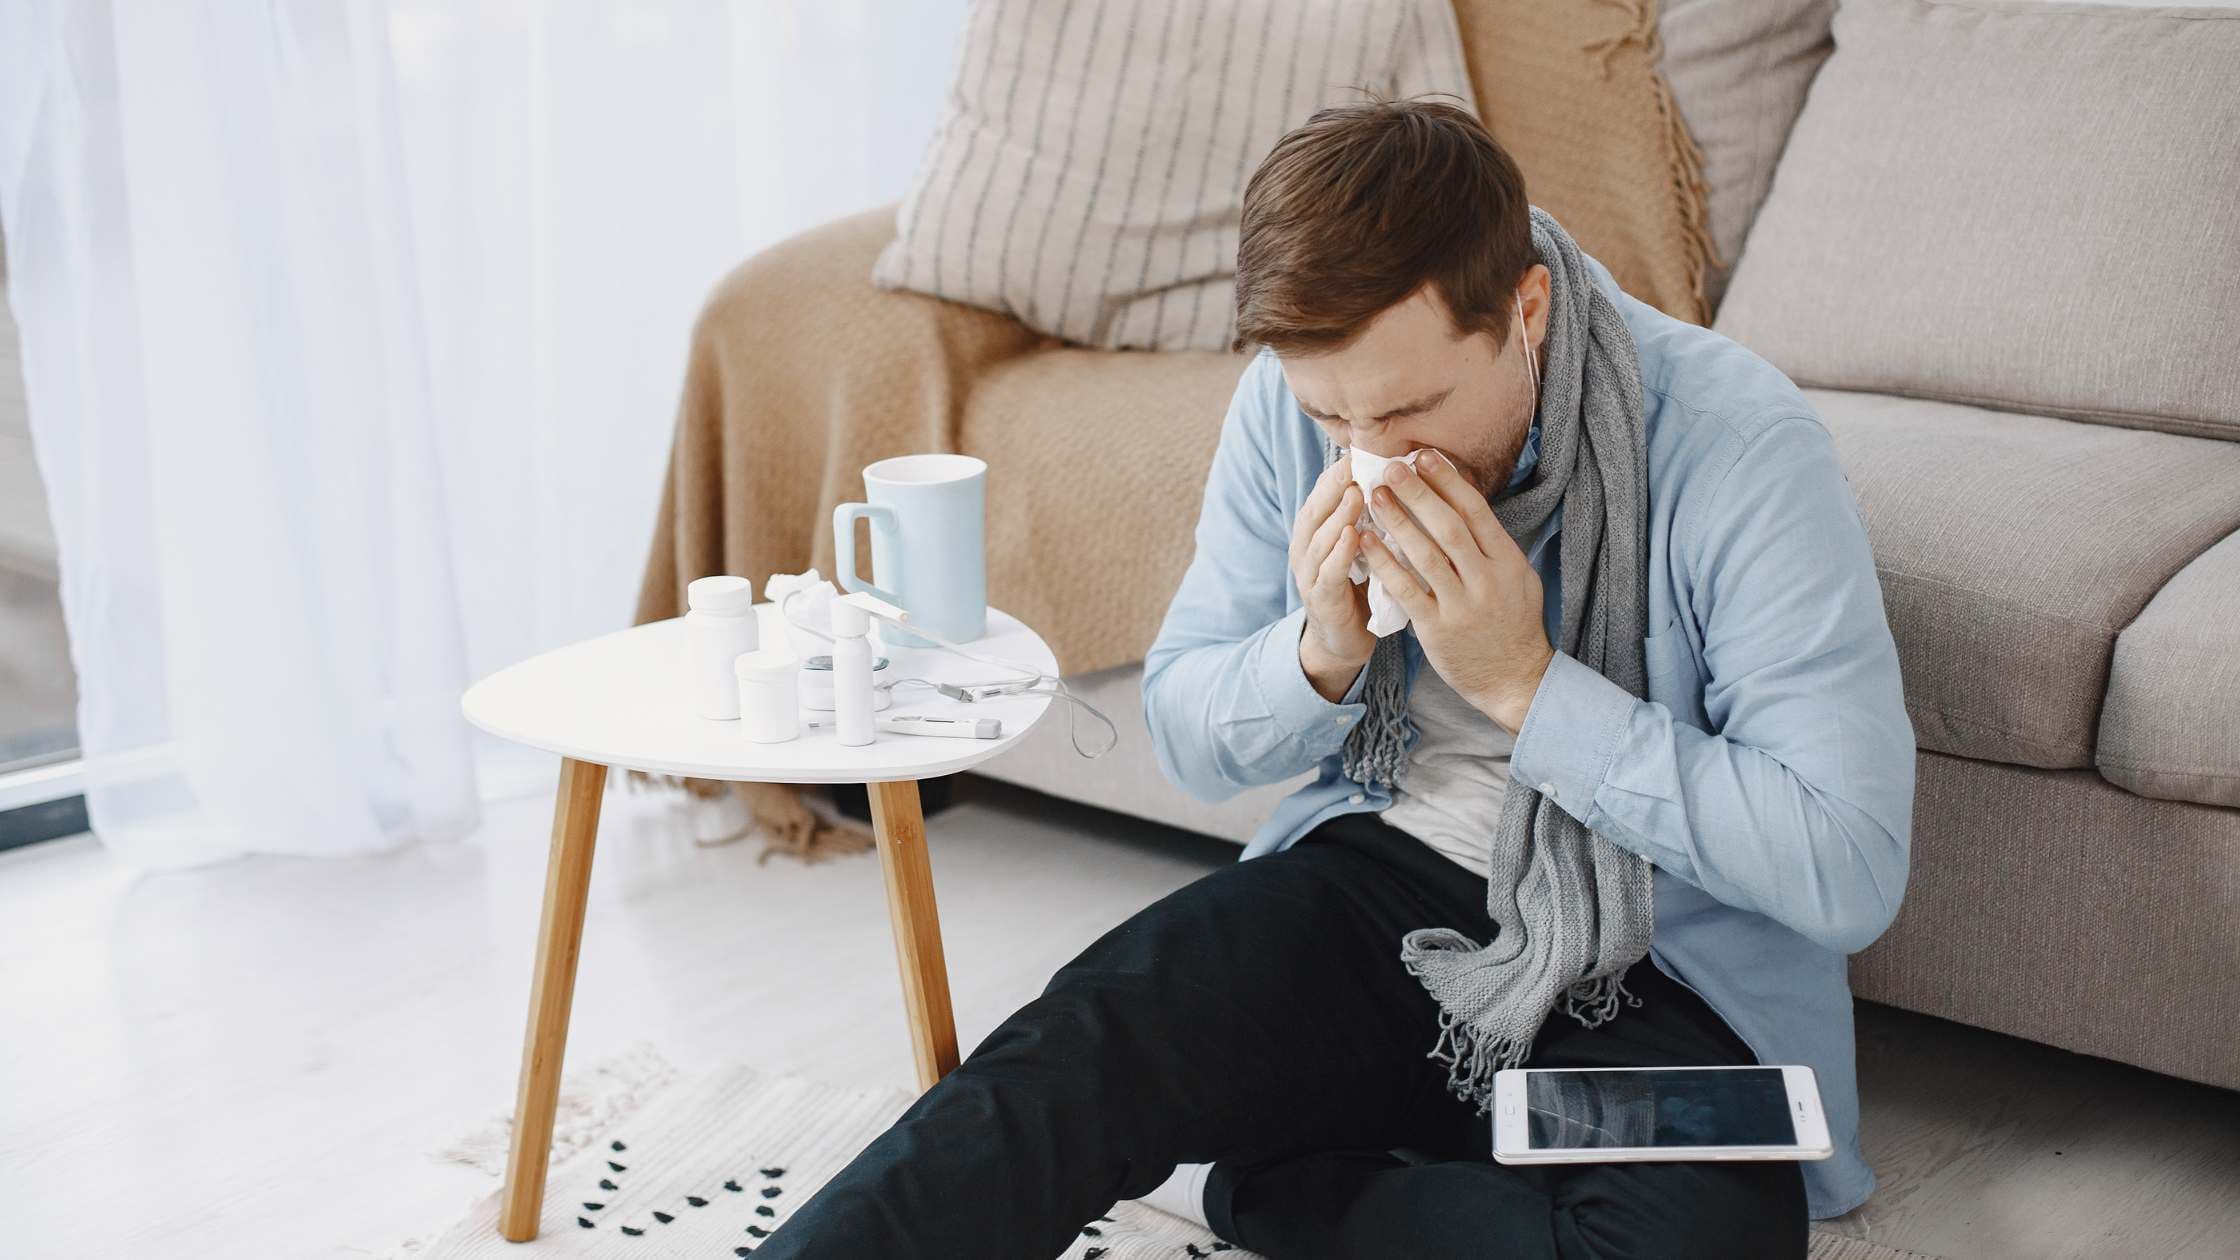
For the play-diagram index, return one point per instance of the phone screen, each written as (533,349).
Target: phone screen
(1661,1107)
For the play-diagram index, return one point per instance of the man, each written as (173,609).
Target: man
(1630,785)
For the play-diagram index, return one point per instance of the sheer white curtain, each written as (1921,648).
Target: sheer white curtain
(352,333)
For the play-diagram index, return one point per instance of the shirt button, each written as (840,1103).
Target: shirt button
(1548,789)
(1344,718)
(1356,798)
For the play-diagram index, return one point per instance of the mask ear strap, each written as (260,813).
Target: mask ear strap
(1531,361)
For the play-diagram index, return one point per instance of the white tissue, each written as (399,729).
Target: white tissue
(1386,616)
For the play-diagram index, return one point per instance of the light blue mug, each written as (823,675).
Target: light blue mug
(929,544)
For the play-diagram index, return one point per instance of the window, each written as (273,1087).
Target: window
(38,696)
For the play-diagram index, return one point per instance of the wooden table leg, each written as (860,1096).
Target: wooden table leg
(901,828)
(567,884)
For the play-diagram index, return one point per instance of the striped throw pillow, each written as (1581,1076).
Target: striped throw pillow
(1088,175)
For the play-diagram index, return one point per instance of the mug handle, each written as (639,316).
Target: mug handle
(844,545)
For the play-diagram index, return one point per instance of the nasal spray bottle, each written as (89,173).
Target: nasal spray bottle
(851,663)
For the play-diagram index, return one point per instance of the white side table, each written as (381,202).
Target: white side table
(625,701)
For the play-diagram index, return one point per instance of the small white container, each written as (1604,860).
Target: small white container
(769,697)
(721,624)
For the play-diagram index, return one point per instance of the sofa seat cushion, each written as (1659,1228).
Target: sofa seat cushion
(1096,465)
(2171,728)
(2013,550)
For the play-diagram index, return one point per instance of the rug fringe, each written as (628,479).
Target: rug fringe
(589,1103)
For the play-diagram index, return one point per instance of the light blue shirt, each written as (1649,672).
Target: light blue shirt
(1768,776)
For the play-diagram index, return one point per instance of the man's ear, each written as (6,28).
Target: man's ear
(1533,291)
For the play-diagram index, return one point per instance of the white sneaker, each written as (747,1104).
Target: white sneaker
(1182,1195)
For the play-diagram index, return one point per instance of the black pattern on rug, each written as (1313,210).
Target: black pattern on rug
(730,1186)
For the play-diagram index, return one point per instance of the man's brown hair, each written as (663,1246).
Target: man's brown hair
(1361,206)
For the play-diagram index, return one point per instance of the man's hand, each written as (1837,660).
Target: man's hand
(1479,617)
(1337,642)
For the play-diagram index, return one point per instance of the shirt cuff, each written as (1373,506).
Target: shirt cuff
(1291,701)
(1571,733)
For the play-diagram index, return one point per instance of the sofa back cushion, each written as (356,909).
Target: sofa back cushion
(2030,207)
(1089,173)
(1739,70)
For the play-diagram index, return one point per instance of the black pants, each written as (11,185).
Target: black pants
(1260,1019)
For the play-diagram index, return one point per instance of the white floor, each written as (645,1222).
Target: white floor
(258,1060)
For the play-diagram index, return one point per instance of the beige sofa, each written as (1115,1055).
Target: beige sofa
(2065,597)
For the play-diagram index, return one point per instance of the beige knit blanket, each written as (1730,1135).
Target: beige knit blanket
(800,374)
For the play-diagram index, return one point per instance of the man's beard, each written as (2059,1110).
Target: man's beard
(1490,467)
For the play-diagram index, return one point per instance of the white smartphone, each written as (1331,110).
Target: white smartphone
(1609,1115)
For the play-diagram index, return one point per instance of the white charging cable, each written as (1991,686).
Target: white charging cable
(1030,682)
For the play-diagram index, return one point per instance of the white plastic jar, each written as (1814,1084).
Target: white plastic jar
(720,623)
(769,701)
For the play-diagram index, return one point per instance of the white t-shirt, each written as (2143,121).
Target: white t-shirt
(1458,774)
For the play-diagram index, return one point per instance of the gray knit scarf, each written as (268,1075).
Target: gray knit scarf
(1573,910)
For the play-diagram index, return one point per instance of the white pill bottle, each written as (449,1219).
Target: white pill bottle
(720,624)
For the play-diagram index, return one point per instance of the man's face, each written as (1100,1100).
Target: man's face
(1409,381)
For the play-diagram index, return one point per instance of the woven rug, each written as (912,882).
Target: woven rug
(708,1166)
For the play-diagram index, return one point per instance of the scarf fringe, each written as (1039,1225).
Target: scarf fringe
(1472,1059)
(1595,1002)
(1472,1055)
